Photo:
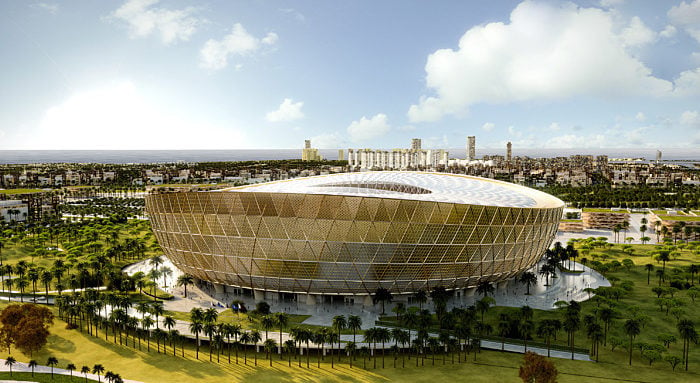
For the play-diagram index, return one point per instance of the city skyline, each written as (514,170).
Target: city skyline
(147,74)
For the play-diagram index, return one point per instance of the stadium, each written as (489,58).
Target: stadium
(351,233)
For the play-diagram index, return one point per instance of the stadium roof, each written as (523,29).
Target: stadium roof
(438,187)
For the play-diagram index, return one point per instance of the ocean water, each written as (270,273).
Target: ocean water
(162,156)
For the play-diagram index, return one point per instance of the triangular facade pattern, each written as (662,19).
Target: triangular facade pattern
(333,244)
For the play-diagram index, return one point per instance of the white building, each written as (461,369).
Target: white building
(396,159)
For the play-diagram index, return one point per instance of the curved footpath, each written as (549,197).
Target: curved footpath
(23,367)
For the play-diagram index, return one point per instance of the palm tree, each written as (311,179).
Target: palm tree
(98,369)
(209,330)
(649,268)
(383,335)
(687,331)
(320,337)
(267,322)
(546,329)
(350,348)
(528,278)
(255,337)
(185,280)
(420,296)
(85,370)
(245,339)
(354,324)
(9,362)
(146,323)
(282,320)
(269,345)
(32,363)
(52,362)
(663,256)
(289,348)
(632,328)
(195,328)
(71,367)
(340,324)
(382,295)
(485,288)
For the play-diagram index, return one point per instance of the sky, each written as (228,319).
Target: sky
(149,74)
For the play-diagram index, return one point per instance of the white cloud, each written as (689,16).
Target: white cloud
(122,116)
(328,141)
(687,16)
(637,34)
(270,39)
(570,141)
(48,7)
(215,53)
(640,117)
(688,83)
(288,111)
(367,129)
(546,52)
(514,132)
(488,126)
(554,126)
(636,136)
(143,18)
(406,128)
(611,3)
(668,32)
(690,118)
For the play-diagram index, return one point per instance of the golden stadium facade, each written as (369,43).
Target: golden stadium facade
(351,233)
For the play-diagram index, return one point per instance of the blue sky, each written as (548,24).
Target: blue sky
(148,74)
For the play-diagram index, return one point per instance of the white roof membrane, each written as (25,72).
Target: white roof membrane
(420,186)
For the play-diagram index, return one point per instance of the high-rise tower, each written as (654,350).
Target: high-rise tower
(509,151)
(471,148)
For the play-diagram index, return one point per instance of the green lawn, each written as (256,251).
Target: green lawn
(686,218)
(44,378)
(21,191)
(71,346)
(599,210)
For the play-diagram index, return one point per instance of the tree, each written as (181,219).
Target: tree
(269,345)
(340,324)
(632,328)
(85,370)
(71,367)
(649,268)
(485,288)
(51,362)
(9,362)
(98,369)
(25,326)
(196,327)
(354,324)
(537,369)
(528,278)
(382,296)
(185,280)
(32,363)
(290,348)
(673,360)
(686,329)
(420,296)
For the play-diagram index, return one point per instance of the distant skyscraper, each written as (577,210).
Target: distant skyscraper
(415,144)
(509,151)
(341,155)
(658,156)
(309,153)
(471,148)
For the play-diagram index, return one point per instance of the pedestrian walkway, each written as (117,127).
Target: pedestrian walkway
(24,367)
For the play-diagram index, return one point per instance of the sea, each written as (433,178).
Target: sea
(188,156)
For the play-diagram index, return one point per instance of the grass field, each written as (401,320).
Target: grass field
(20,191)
(71,346)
